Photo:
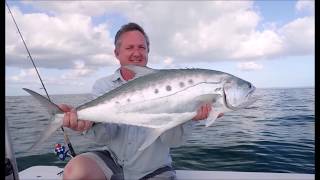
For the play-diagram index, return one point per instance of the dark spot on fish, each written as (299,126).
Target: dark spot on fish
(190,81)
(156,91)
(117,102)
(181,84)
(168,88)
(128,100)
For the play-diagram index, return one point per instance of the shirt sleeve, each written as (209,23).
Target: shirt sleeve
(178,135)
(100,87)
(102,133)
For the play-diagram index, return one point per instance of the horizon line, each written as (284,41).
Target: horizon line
(88,93)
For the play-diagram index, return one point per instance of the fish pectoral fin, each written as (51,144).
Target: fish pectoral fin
(161,123)
(140,71)
(209,98)
(213,115)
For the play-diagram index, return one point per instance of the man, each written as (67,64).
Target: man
(122,160)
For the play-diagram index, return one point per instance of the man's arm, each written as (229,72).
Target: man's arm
(99,132)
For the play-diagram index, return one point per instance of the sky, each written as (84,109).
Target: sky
(269,43)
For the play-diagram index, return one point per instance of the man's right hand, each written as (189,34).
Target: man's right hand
(71,120)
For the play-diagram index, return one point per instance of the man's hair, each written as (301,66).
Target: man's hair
(130,27)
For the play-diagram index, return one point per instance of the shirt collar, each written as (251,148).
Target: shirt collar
(117,76)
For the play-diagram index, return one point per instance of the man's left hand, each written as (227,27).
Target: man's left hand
(203,112)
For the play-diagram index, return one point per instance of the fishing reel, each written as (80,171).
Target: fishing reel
(61,152)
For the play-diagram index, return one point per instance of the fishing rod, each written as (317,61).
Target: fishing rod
(66,138)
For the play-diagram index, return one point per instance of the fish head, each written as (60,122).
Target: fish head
(238,93)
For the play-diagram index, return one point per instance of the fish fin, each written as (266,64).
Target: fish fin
(151,137)
(171,120)
(213,115)
(210,98)
(53,126)
(51,107)
(140,71)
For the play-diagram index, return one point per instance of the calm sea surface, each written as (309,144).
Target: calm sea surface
(275,134)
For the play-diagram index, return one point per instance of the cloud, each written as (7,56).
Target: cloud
(204,31)
(168,60)
(25,76)
(303,5)
(57,41)
(299,36)
(87,8)
(80,71)
(259,45)
(66,77)
(219,30)
(28,77)
(249,66)
(196,30)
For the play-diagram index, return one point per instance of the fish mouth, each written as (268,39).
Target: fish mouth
(250,98)
(250,93)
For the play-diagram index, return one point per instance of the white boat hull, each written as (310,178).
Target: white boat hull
(53,172)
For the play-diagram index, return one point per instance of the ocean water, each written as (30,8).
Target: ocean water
(275,134)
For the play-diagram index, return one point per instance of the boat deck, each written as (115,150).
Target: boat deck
(52,172)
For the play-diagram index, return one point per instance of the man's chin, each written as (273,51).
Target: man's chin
(139,63)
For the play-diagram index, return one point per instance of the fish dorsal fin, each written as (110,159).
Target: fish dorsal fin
(140,71)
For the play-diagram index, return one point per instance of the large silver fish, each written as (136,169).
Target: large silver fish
(158,100)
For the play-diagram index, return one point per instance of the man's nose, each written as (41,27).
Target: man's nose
(136,52)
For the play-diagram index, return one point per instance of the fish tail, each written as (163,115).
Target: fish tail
(56,121)
(51,107)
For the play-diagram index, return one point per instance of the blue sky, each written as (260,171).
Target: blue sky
(269,43)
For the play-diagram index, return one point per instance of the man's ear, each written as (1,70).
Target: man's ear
(116,53)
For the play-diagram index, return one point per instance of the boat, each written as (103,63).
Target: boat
(56,173)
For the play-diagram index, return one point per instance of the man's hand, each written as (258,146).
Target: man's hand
(203,112)
(71,121)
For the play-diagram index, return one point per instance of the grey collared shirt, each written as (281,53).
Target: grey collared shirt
(122,141)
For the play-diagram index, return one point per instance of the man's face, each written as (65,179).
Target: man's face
(132,49)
